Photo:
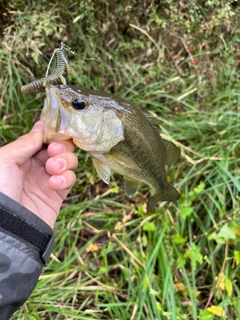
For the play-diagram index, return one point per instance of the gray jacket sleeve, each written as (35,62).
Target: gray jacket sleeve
(26,243)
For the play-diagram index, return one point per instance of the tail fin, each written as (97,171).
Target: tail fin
(170,194)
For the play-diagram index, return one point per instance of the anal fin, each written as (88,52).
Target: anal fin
(131,186)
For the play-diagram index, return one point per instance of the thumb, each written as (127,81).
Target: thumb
(25,146)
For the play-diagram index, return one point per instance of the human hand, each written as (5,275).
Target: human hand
(38,178)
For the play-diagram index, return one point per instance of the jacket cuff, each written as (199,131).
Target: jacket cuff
(26,226)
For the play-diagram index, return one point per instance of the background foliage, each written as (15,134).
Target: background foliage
(179,60)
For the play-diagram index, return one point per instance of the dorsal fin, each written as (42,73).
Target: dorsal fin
(154,121)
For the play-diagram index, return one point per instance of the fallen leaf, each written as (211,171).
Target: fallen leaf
(216,310)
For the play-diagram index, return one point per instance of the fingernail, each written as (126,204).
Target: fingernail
(61,163)
(60,147)
(38,126)
(61,180)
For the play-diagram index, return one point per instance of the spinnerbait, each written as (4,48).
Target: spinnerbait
(58,76)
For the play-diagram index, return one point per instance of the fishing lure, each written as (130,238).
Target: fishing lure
(58,76)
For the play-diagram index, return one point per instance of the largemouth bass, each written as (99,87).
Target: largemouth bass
(117,136)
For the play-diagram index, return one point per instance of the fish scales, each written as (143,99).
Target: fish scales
(143,145)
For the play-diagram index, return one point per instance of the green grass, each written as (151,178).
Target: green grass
(113,260)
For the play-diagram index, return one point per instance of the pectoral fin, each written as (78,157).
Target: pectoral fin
(131,186)
(172,152)
(103,170)
(122,159)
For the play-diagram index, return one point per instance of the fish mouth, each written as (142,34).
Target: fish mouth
(54,116)
(51,116)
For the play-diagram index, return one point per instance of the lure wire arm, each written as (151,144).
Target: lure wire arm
(61,49)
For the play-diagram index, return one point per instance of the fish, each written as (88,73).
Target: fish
(118,136)
(58,76)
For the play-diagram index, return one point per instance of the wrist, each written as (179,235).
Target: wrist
(24,225)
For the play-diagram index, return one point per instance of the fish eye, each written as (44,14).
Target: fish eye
(78,104)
